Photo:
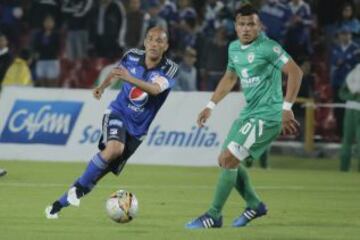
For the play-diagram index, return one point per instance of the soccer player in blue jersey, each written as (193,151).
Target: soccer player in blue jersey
(148,77)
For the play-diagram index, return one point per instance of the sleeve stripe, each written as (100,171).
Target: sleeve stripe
(284,58)
(172,73)
(172,70)
(135,51)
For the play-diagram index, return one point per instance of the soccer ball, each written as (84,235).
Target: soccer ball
(122,206)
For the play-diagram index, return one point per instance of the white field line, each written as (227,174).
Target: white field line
(199,187)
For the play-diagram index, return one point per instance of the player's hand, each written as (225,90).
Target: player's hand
(203,116)
(97,92)
(289,124)
(121,72)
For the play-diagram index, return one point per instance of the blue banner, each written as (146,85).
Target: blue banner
(46,122)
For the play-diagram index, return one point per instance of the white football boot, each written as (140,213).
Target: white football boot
(72,197)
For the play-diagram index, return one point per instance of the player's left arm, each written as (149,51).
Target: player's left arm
(294,75)
(154,88)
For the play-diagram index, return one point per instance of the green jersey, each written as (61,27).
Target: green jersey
(258,65)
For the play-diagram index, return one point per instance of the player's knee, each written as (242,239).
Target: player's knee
(228,161)
(113,150)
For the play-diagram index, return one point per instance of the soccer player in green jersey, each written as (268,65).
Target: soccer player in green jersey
(258,62)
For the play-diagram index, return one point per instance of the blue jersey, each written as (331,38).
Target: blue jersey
(136,107)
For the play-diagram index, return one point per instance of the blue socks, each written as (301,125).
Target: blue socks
(87,180)
(94,169)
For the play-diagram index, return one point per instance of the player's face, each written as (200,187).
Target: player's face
(156,44)
(247,28)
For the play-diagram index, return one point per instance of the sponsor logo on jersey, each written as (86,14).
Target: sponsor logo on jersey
(138,97)
(134,59)
(47,122)
(251,57)
(250,82)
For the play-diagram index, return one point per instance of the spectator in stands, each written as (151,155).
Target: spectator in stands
(11,21)
(136,22)
(19,74)
(109,19)
(343,57)
(183,32)
(187,72)
(39,9)
(47,47)
(185,10)
(2,172)
(350,92)
(77,23)
(154,7)
(168,11)
(213,60)
(343,60)
(212,10)
(298,39)
(348,19)
(275,17)
(186,31)
(5,56)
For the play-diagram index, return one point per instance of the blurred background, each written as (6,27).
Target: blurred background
(75,43)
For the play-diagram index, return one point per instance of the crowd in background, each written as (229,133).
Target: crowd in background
(74,43)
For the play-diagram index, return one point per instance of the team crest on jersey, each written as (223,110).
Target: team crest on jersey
(138,97)
(251,57)
(153,76)
(277,50)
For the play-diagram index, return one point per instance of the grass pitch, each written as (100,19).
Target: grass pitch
(313,201)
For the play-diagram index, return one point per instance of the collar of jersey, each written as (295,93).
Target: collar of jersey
(246,46)
(142,62)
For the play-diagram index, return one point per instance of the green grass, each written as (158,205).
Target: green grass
(308,199)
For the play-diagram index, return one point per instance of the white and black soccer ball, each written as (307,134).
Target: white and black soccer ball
(122,206)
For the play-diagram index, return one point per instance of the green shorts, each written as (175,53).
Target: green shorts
(251,137)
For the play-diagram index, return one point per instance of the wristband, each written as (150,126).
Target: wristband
(287,106)
(211,105)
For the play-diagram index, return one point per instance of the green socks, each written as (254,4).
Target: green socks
(224,186)
(227,180)
(246,190)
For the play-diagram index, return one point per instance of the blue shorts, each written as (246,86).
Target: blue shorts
(113,128)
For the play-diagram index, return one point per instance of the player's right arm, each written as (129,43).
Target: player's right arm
(99,90)
(294,75)
(225,85)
